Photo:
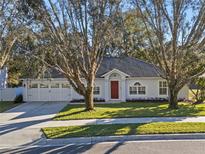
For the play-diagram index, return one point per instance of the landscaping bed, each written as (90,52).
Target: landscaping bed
(129,109)
(4,106)
(124,129)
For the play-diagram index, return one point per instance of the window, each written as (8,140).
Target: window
(65,85)
(96,90)
(42,85)
(133,90)
(55,85)
(33,85)
(163,88)
(137,89)
(141,90)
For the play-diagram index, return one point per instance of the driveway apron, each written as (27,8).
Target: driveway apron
(16,124)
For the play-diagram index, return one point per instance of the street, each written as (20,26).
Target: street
(131,147)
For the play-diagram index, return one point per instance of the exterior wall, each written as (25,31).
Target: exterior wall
(98,82)
(55,94)
(151,84)
(152,88)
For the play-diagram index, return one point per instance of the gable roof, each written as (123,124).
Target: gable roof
(114,71)
(131,66)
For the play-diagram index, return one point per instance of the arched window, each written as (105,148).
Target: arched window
(137,84)
(137,89)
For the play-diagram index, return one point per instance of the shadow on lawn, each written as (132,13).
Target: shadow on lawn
(183,110)
(124,110)
(123,129)
(92,130)
(69,114)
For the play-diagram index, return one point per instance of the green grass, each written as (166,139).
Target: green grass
(121,110)
(124,129)
(7,105)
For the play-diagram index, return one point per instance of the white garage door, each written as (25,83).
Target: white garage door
(52,91)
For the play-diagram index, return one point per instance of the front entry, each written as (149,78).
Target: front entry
(114,89)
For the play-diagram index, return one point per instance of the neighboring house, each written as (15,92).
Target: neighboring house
(121,79)
(3,77)
(194,86)
(6,94)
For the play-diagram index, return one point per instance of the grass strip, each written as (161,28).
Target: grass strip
(124,129)
(4,106)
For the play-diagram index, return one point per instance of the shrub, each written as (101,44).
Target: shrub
(82,100)
(199,92)
(151,99)
(18,99)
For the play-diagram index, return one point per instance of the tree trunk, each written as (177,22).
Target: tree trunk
(89,94)
(89,99)
(173,102)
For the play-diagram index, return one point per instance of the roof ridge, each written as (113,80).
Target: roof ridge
(134,58)
(141,60)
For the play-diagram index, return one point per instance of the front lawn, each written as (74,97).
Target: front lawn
(124,129)
(7,105)
(129,109)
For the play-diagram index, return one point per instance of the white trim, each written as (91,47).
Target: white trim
(120,72)
(98,95)
(48,90)
(115,70)
(166,95)
(119,87)
(144,95)
(144,78)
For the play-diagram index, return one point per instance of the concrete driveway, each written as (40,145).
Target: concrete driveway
(17,125)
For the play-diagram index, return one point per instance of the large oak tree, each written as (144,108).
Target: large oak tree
(79,32)
(8,33)
(179,45)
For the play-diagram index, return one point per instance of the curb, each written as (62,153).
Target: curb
(93,140)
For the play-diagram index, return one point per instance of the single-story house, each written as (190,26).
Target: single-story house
(120,79)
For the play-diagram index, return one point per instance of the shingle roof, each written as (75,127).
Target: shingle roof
(131,66)
(53,73)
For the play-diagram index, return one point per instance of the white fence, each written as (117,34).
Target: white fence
(9,94)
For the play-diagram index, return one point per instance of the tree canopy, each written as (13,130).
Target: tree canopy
(178,47)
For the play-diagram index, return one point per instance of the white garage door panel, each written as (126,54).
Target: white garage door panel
(66,94)
(49,94)
(44,94)
(33,94)
(55,94)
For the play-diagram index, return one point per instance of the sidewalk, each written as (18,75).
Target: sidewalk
(18,132)
(117,121)
(123,138)
(22,125)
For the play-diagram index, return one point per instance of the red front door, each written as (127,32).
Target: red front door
(114,89)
